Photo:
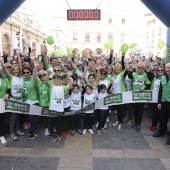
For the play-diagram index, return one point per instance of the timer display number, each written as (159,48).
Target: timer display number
(84,14)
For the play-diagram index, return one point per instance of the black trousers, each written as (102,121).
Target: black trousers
(88,120)
(155,113)
(120,113)
(138,112)
(2,124)
(164,115)
(75,121)
(102,118)
(130,111)
(56,122)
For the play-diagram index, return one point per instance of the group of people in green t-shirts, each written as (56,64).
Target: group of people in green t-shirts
(72,82)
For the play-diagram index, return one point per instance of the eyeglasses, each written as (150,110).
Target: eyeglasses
(13,63)
(160,70)
(140,68)
(79,65)
(26,72)
(56,70)
(103,73)
(8,67)
(42,75)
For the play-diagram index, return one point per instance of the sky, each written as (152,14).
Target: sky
(49,12)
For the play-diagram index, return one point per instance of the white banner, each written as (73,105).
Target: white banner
(147,96)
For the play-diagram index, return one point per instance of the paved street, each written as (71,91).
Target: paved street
(114,150)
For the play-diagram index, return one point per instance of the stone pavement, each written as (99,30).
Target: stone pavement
(114,150)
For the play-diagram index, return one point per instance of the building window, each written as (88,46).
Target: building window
(110,36)
(87,37)
(75,37)
(110,21)
(160,31)
(153,33)
(99,37)
(123,21)
(122,37)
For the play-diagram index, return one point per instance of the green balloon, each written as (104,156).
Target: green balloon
(124,47)
(105,48)
(50,40)
(52,51)
(108,44)
(60,49)
(69,51)
(160,44)
(132,45)
(58,53)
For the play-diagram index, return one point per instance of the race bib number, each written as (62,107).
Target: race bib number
(66,97)
(58,101)
(139,82)
(76,103)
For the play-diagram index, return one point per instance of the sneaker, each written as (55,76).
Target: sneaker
(119,127)
(129,122)
(97,124)
(59,137)
(32,136)
(103,130)
(18,132)
(73,132)
(91,131)
(116,123)
(107,119)
(79,131)
(153,128)
(133,125)
(54,138)
(138,128)
(2,139)
(84,131)
(67,133)
(25,125)
(105,126)
(64,133)
(13,137)
(99,133)
(46,132)
(29,125)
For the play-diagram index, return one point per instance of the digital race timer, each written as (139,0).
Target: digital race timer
(84,14)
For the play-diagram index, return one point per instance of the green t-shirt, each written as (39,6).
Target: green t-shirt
(139,80)
(44,95)
(4,86)
(30,90)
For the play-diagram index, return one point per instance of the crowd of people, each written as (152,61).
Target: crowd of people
(71,82)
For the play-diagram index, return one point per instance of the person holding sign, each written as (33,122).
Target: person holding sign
(4,94)
(164,102)
(140,82)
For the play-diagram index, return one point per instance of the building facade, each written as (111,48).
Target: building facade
(18,23)
(155,32)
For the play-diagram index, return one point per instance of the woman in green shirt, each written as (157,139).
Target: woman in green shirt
(4,94)
(30,96)
(43,91)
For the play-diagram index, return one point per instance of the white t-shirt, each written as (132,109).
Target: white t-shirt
(75,101)
(88,99)
(100,96)
(16,87)
(56,98)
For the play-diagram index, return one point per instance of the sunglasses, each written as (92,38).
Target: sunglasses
(103,73)
(13,63)
(79,65)
(160,70)
(8,67)
(109,69)
(26,72)
(42,75)
(56,70)
(140,68)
